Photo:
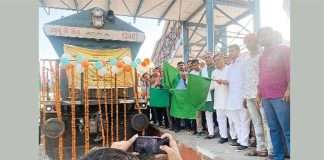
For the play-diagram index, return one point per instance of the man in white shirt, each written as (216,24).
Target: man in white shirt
(250,81)
(237,113)
(220,85)
(207,68)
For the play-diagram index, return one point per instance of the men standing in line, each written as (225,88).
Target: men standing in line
(250,74)
(237,113)
(273,90)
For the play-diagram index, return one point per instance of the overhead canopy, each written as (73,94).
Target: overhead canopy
(193,12)
(77,30)
(166,47)
(174,10)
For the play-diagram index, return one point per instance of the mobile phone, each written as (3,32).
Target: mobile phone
(149,144)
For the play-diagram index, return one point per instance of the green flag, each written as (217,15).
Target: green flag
(180,107)
(159,97)
(171,76)
(198,88)
(185,103)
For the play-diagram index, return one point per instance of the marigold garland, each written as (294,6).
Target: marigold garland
(86,113)
(73,125)
(99,108)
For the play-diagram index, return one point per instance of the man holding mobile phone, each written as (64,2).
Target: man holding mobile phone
(118,151)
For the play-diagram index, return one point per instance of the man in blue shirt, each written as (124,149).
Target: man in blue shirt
(183,76)
(182,84)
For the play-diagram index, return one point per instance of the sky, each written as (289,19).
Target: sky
(272,15)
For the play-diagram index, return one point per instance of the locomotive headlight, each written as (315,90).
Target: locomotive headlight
(48,108)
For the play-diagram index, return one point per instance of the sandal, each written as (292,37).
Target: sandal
(251,153)
(262,154)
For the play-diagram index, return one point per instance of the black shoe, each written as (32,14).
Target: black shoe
(234,140)
(223,140)
(194,132)
(176,130)
(241,148)
(210,137)
(200,133)
(235,144)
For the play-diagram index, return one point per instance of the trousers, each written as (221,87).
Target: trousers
(199,126)
(222,123)
(210,122)
(241,122)
(277,112)
(260,128)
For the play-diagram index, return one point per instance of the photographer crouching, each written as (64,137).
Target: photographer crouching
(126,150)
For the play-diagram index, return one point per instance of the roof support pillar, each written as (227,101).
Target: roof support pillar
(210,25)
(185,41)
(256,15)
(223,39)
(216,39)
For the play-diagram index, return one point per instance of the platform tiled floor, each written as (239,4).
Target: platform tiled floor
(210,147)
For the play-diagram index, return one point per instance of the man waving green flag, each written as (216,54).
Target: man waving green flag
(185,103)
(171,76)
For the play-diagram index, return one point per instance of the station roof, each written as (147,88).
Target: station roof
(172,10)
(197,40)
(226,12)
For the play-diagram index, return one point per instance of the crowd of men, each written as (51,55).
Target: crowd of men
(245,87)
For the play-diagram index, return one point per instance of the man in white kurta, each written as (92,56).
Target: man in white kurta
(237,113)
(220,85)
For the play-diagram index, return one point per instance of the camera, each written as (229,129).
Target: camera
(150,145)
